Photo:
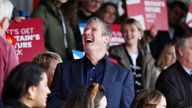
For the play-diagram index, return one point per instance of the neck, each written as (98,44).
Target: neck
(86,13)
(132,49)
(2,33)
(26,102)
(95,57)
(58,5)
(185,64)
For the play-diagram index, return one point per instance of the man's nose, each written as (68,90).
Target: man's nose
(87,32)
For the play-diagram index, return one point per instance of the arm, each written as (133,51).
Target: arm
(11,58)
(127,91)
(56,98)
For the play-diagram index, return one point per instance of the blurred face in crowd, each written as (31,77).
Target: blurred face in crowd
(93,40)
(91,6)
(175,15)
(170,56)
(51,70)
(131,34)
(41,92)
(186,54)
(162,103)
(109,15)
(103,102)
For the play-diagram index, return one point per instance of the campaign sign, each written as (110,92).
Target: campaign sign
(149,13)
(28,35)
(189,15)
(116,35)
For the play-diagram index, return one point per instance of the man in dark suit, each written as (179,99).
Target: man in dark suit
(176,81)
(93,68)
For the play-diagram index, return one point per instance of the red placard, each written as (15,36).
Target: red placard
(149,13)
(189,15)
(29,38)
(117,36)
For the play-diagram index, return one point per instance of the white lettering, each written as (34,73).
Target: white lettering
(154,3)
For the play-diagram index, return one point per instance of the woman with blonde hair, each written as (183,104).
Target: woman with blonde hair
(134,55)
(167,56)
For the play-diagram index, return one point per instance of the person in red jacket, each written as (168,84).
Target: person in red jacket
(8,56)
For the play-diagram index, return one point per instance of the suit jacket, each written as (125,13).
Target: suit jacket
(176,85)
(117,82)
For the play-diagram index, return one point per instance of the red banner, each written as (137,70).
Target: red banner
(117,36)
(189,15)
(28,35)
(149,13)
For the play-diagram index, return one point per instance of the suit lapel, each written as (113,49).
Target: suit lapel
(77,72)
(109,72)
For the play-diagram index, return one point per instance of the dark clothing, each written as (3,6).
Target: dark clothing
(163,38)
(12,103)
(94,73)
(82,18)
(1,103)
(57,39)
(137,72)
(117,82)
(176,85)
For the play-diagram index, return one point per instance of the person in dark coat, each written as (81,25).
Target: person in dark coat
(176,81)
(177,11)
(93,68)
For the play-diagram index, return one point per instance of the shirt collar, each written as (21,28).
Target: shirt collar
(102,60)
(188,71)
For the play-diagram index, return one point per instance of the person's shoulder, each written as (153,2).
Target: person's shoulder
(71,62)
(5,44)
(169,73)
(116,47)
(39,11)
(118,67)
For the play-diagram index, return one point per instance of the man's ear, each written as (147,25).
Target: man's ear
(107,39)
(2,21)
(180,51)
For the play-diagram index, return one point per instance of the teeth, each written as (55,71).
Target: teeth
(89,41)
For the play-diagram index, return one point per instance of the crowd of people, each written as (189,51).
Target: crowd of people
(152,69)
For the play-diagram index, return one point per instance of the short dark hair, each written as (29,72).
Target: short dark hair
(181,4)
(20,79)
